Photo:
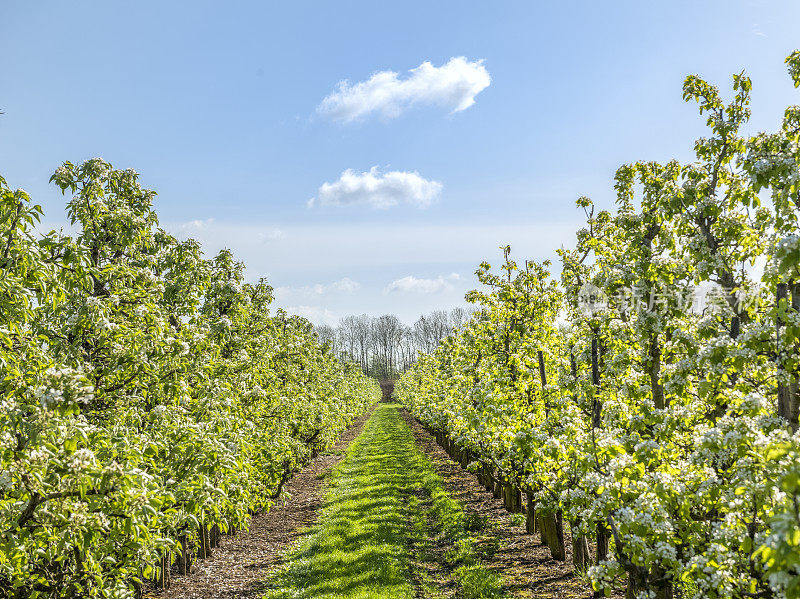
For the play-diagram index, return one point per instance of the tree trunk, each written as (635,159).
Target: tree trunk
(597,412)
(637,583)
(543,380)
(657,389)
(794,388)
(602,543)
(487,478)
(162,577)
(552,529)
(785,399)
(530,516)
(184,558)
(205,546)
(581,555)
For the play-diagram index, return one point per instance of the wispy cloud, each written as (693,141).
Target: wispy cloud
(199,229)
(379,190)
(412,284)
(343,285)
(454,86)
(271,234)
(315,314)
(193,226)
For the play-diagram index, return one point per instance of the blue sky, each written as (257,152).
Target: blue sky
(217,106)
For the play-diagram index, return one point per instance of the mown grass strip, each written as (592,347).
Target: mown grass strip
(384,504)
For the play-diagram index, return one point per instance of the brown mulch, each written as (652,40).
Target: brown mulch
(521,560)
(238,567)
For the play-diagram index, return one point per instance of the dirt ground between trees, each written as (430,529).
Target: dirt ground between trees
(524,563)
(238,567)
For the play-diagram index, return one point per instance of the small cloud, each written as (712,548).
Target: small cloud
(315,314)
(344,285)
(195,225)
(379,190)
(270,235)
(411,284)
(454,86)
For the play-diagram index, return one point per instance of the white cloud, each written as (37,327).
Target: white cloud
(411,284)
(272,234)
(343,285)
(379,190)
(454,86)
(315,314)
(201,229)
(193,226)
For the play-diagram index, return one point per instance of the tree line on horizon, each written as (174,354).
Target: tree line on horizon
(384,346)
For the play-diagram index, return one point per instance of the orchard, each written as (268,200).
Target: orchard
(150,400)
(660,431)
(636,405)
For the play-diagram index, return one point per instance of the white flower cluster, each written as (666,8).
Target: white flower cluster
(63,386)
(49,397)
(82,460)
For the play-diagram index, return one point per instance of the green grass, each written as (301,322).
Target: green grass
(384,508)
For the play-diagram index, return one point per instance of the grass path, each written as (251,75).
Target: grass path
(387,529)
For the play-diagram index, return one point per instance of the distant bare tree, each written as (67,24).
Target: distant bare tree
(406,349)
(458,318)
(383,346)
(327,334)
(431,328)
(386,332)
(363,333)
